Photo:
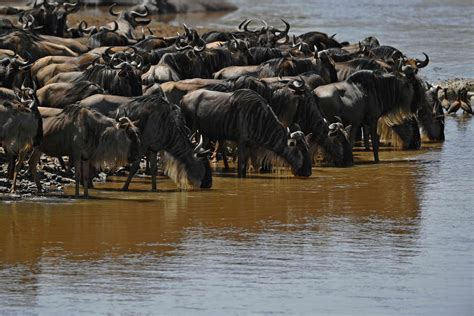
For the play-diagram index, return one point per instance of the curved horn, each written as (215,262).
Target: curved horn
(297,135)
(142,15)
(199,49)
(246,26)
(84,27)
(199,145)
(422,64)
(72,7)
(179,49)
(115,28)
(241,24)
(287,26)
(119,66)
(111,11)
(186,29)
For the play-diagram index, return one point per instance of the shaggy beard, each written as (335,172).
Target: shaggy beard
(177,172)
(262,157)
(112,151)
(385,130)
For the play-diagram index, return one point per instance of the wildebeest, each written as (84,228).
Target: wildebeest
(52,16)
(367,95)
(176,90)
(194,63)
(105,103)
(13,71)
(31,47)
(104,36)
(320,64)
(21,129)
(346,68)
(293,103)
(128,21)
(120,79)
(163,128)
(89,139)
(321,40)
(243,116)
(431,117)
(58,95)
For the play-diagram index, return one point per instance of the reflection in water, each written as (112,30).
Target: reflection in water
(364,236)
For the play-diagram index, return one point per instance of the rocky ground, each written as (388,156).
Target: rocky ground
(52,177)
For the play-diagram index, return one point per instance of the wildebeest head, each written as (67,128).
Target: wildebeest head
(104,36)
(133,18)
(12,71)
(341,148)
(270,36)
(431,115)
(28,98)
(56,16)
(203,156)
(298,147)
(417,63)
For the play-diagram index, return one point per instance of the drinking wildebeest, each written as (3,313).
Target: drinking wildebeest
(431,116)
(163,128)
(293,103)
(367,95)
(20,129)
(89,139)
(244,116)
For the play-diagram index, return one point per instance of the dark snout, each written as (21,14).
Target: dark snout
(206,182)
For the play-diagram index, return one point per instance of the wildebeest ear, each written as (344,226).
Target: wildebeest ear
(135,123)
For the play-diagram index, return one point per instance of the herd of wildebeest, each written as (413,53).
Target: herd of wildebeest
(108,96)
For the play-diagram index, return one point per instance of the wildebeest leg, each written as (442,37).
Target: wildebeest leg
(11,165)
(133,169)
(85,177)
(148,163)
(375,141)
(223,150)
(242,160)
(77,175)
(62,163)
(33,166)
(19,163)
(365,135)
(152,157)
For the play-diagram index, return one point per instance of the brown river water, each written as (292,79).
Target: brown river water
(389,238)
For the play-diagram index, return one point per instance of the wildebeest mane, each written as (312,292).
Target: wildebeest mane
(287,66)
(163,128)
(261,54)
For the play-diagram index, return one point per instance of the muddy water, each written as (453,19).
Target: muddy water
(393,238)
